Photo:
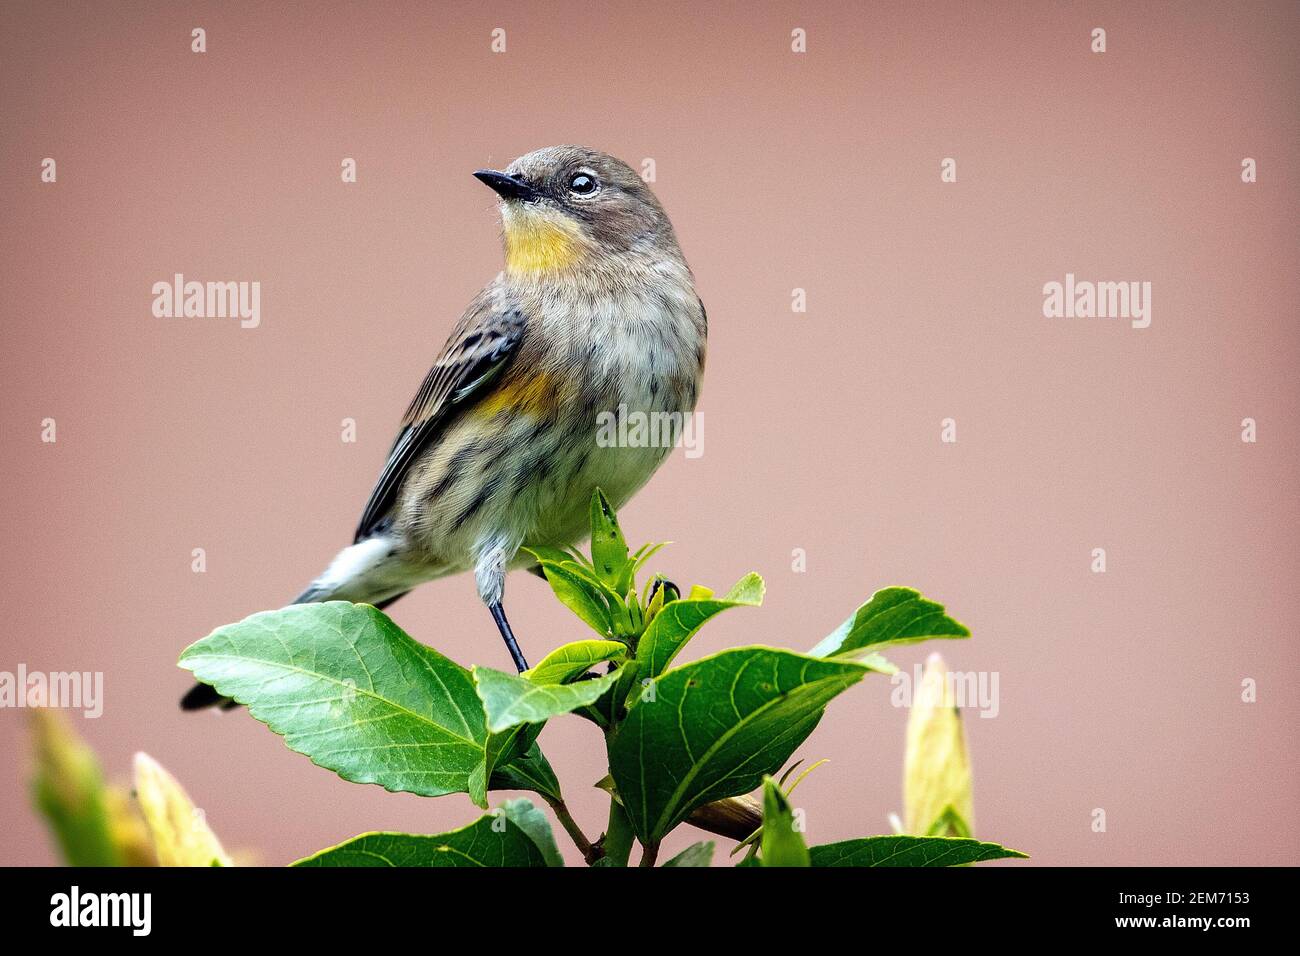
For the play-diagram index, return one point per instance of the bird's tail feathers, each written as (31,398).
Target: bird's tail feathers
(346,576)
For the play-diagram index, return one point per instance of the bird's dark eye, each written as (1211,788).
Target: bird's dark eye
(583,184)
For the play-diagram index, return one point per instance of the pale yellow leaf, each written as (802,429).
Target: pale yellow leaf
(936,767)
(181,834)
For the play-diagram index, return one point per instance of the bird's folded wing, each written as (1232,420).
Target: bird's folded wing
(483,342)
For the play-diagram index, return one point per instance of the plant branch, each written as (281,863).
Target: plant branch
(733,817)
(589,853)
(649,855)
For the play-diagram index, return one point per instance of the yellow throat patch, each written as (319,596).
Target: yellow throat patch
(537,244)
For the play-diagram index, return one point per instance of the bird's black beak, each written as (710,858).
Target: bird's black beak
(507,187)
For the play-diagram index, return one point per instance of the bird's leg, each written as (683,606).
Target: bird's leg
(490,576)
(507,635)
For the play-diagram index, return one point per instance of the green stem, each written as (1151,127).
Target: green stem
(618,835)
(589,853)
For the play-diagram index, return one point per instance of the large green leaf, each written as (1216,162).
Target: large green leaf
(492,840)
(781,844)
(892,616)
(713,728)
(349,689)
(510,701)
(679,621)
(908,851)
(569,661)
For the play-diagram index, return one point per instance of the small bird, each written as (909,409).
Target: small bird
(596,312)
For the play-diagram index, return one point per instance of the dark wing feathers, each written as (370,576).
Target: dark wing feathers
(483,342)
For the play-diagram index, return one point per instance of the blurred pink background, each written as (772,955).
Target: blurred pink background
(817,171)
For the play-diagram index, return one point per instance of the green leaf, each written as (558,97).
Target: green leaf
(503,748)
(588,574)
(892,616)
(532,772)
(680,620)
(509,700)
(876,662)
(949,823)
(348,688)
(569,661)
(525,815)
(608,547)
(697,854)
(713,728)
(581,596)
(781,843)
(492,840)
(644,554)
(908,851)
(545,554)
(609,707)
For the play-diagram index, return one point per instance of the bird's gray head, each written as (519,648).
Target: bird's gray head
(567,207)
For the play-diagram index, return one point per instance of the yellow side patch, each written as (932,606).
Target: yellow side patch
(534,244)
(530,394)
